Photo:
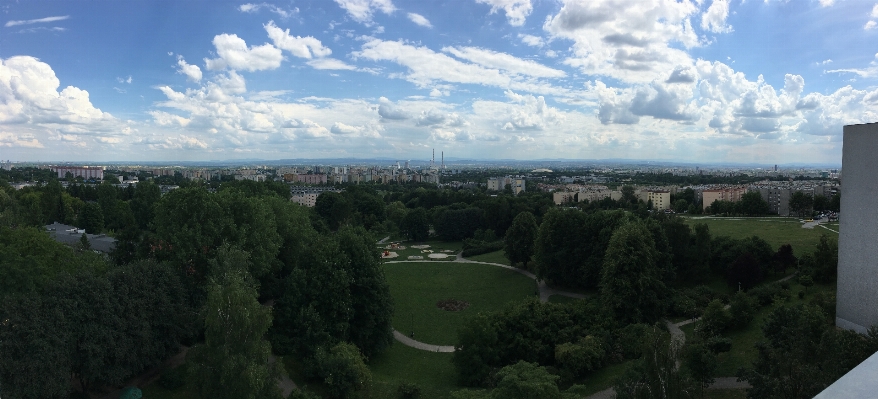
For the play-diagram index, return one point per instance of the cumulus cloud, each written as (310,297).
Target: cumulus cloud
(516,10)
(35,21)
(234,53)
(302,47)
(387,110)
(531,113)
(362,10)
(192,72)
(629,41)
(434,117)
(531,40)
(714,19)
(870,25)
(419,19)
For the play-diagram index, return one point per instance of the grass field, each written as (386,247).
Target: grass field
(492,257)
(776,231)
(432,372)
(417,287)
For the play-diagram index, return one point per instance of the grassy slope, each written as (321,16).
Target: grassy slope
(776,231)
(492,257)
(416,287)
(432,372)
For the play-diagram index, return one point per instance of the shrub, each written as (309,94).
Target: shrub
(343,370)
(765,294)
(172,379)
(577,359)
(742,308)
(408,390)
(714,321)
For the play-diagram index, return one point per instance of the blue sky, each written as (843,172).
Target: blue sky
(680,80)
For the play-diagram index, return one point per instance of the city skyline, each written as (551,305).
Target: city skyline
(711,81)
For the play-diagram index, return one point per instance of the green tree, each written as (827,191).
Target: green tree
(146,196)
(714,321)
(681,206)
(656,374)
(800,203)
(821,203)
(91,218)
(233,361)
(701,364)
(525,380)
(415,225)
(343,369)
(752,204)
(520,238)
(631,284)
(577,359)
(334,209)
(370,325)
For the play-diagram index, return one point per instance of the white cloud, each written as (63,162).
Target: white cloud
(302,47)
(714,19)
(233,53)
(532,113)
(192,72)
(875,11)
(387,110)
(330,63)
(827,3)
(629,41)
(124,80)
(531,40)
(516,10)
(362,10)
(419,19)
(254,7)
(503,61)
(870,25)
(35,21)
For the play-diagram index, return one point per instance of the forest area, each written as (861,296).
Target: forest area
(238,273)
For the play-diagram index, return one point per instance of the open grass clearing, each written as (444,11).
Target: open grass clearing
(432,372)
(491,257)
(776,231)
(417,287)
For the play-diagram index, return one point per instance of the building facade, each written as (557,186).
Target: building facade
(857,296)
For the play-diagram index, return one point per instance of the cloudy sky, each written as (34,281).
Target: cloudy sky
(766,81)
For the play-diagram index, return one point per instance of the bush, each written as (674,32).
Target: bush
(742,308)
(478,248)
(765,294)
(343,370)
(715,321)
(408,390)
(172,379)
(575,360)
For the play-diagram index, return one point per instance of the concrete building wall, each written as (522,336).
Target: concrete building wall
(561,197)
(857,297)
(661,200)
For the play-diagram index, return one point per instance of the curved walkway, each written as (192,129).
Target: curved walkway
(545,293)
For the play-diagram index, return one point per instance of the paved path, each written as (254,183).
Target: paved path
(827,228)
(285,383)
(383,240)
(420,345)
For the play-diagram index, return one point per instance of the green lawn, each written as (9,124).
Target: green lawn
(417,287)
(432,372)
(492,257)
(776,231)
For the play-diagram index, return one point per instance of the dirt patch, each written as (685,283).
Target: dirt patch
(452,305)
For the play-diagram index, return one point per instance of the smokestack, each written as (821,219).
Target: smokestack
(433,160)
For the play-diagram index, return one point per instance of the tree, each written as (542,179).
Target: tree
(233,361)
(525,380)
(333,208)
(631,284)
(742,308)
(146,196)
(415,225)
(784,258)
(752,204)
(745,272)
(84,244)
(800,203)
(577,359)
(370,325)
(656,374)
(821,203)
(343,370)
(520,238)
(700,253)
(714,321)
(681,206)
(91,218)
(701,364)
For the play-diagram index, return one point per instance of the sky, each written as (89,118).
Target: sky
(731,81)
